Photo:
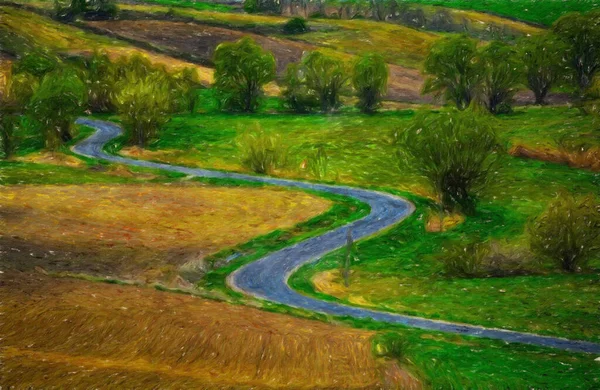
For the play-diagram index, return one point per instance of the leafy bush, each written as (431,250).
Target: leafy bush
(262,152)
(326,76)
(464,259)
(242,68)
(370,80)
(499,76)
(295,26)
(453,71)
(567,232)
(296,95)
(390,345)
(454,152)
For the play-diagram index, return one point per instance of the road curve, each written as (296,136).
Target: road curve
(267,277)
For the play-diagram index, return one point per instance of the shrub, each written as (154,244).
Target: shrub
(296,95)
(567,232)
(261,152)
(453,71)
(370,79)
(295,26)
(390,345)
(242,68)
(100,78)
(464,259)
(326,76)
(499,76)
(60,98)
(454,152)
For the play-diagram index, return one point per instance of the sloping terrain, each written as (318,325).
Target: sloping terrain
(105,230)
(74,334)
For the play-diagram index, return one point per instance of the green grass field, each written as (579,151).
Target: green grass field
(543,12)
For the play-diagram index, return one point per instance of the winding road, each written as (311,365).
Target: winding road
(267,277)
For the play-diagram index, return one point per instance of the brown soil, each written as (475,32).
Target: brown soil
(142,232)
(66,333)
(201,41)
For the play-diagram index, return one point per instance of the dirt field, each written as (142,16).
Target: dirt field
(137,232)
(66,333)
(201,41)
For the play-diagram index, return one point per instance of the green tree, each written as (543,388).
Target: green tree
(582,33)
(36,63)
(567,232)
(296,95)
(454,151)
(500,75)
(242,68)
(21,88)
(100,77)
(327,77)
(370,80)
(9,119)
(542,59)
(143,103)
(453,70)
(60,98)
(295,26)
(187,83)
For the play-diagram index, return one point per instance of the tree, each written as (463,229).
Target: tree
(453,71)
(60,98)
(454,151)
(187,83)
(295,26)
(567,232)
(542,57)
(143,103)
(296,95)
(326,76)
(242,68)
(36,63)
(100,77)
(499,76)
(582,33)
(370,79)
(21,88)
(8,122)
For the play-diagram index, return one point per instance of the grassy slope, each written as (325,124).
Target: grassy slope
(361,153)
(536,11)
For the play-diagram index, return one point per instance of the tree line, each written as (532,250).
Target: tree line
(47,93)
(462,72)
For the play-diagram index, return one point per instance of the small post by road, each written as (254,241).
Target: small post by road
(347,259)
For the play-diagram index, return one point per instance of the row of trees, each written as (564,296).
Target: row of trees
(462,72)
(318,81)
(49,93)
(70,10)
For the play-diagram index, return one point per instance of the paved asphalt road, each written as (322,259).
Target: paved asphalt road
(267,277)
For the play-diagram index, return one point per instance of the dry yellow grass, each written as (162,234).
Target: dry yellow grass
(65,333)
(139,231)
(65,38)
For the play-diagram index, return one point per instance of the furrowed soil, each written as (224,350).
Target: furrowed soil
(67,333)
(139,232)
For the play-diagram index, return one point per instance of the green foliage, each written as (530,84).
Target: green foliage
(8,124)
(21,88)
(60,98)
(69,10)
(242,68)
(390,345)
(318,163)
(500,75)
(453,70)
(251,6)
(567,232)
(143,103)
(261,151)
(36,63)
(542,59)
(581,32)
(296,95)
(188,83)
(370,79)
(326,77)
(295,26)
(454,152)
(464,259)
(100,77)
